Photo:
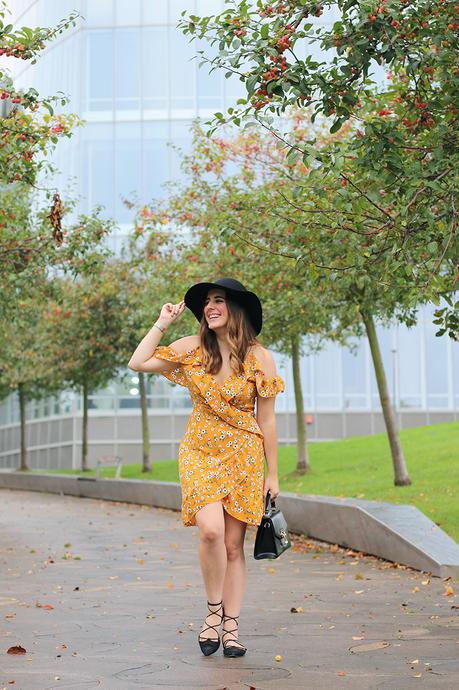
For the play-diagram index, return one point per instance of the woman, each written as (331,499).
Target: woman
(222,455)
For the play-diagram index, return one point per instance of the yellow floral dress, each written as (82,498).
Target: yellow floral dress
(221,456)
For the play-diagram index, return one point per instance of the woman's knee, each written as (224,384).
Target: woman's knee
(234,549)
(211,523)
(210,534)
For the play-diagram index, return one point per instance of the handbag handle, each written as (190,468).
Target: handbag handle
(269,508)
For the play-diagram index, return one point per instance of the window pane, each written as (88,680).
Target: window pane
(127,12)
(182,70)
(209,85)
(127,168)
(155,160)
(100,12)
(99,69)
(354,376)
(436,366)
(327,367)
(97,167)
(154,12)
(176,8)
(408,357)
(206,8)
(181,137)
(234,89)
(455,358)
(127,69)
(155,69)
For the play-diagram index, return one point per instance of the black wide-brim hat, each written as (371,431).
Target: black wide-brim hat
(196,295)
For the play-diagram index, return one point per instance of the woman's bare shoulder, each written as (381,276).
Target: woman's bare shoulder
(189,342)
(265,358)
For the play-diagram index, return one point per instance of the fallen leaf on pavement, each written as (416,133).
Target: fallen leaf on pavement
(449,592)
(278,657)
(372,646)
(17,649)
(297,609)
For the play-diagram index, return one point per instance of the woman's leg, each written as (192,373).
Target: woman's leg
(212,556)
(235,578)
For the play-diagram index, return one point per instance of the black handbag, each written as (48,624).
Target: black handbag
(272,534)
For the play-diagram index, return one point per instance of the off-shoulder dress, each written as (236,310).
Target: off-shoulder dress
(221,456)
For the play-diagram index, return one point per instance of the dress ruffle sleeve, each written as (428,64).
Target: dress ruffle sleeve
(268,386)
(177,375)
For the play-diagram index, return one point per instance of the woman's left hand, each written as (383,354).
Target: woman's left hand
(271,485)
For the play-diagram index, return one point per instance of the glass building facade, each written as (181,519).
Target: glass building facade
(131,75)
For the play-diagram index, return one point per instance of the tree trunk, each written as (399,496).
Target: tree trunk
(401,477)
(146,465)
(22,415)
(84,435)
(302,463)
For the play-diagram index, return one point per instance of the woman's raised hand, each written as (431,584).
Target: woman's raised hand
(170,312)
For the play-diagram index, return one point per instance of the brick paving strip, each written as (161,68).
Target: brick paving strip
(109,595)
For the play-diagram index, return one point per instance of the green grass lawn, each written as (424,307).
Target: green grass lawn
(361,467)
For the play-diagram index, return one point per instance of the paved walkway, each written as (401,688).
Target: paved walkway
(109,595)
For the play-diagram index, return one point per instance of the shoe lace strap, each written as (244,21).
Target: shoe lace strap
(211,613)
(229,632)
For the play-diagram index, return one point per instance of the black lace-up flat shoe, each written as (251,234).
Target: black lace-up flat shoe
(232,647)
(210,645)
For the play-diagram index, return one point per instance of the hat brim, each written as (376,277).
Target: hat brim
(196,295)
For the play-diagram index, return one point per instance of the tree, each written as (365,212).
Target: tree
(403,149)
(86,322)
(29,128)
(29,260)
(81,308)
(228,214)
(263,202)
(27,366)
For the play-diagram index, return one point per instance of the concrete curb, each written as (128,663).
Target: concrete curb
(399,533)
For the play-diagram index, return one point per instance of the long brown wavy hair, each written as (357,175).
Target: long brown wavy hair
(241,336)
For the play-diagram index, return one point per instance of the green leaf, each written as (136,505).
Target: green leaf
(264,32)
(292,156)
(48,107)
(337,125)
(251,83)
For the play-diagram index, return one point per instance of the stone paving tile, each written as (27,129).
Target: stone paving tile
(128,602)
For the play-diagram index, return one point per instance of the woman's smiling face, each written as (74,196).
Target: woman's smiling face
(215,308)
